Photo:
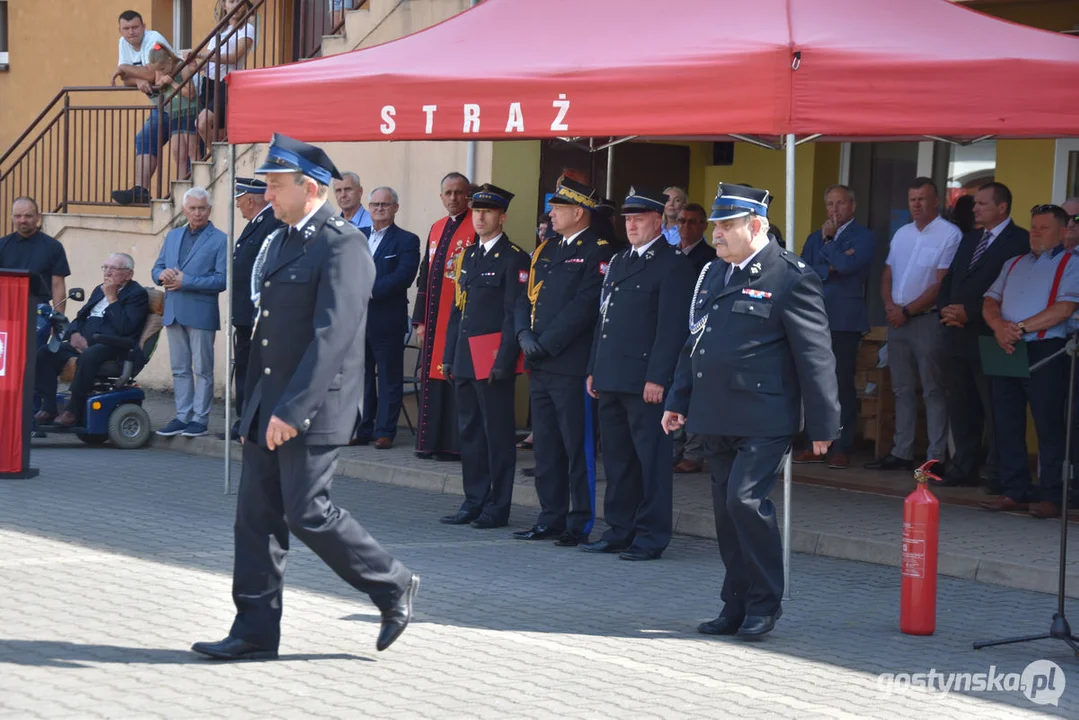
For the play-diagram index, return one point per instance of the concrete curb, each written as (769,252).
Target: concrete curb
(694,524)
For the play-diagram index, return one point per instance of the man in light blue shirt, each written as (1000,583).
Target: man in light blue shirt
(348,192)
(1030,303)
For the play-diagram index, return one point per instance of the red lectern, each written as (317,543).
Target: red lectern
(18,325)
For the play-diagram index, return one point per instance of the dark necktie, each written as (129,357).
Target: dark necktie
(632,257)
(734,273)
(981,247)
(482,252)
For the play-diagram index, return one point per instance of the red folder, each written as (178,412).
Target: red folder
(484,350)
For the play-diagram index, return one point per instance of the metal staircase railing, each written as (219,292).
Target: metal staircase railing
(81,147)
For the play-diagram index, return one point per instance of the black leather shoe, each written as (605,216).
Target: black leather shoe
(602,546)
(890,462)
(537,532)
(424,455)
(232,648)
(461,517)
(395,619)
(639,554)
(447,457)
(722,625)
(486,522)
(757,625)
(571,538)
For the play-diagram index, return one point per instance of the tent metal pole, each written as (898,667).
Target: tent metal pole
(229,329)
(610,171)
(790,147)
(470,150)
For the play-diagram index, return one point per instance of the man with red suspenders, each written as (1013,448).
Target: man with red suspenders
(1031,302)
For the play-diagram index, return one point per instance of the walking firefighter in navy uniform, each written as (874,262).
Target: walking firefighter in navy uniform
(759,352)
(303,391)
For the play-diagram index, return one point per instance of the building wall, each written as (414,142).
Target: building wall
(82,38)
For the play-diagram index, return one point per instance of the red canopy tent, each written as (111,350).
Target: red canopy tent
(526,69)
(555,68)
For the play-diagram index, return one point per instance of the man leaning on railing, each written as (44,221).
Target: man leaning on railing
(133,70)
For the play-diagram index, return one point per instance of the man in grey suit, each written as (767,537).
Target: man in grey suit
(191,268)
(305,385)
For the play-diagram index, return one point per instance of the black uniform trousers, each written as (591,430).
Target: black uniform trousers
(49,365)
(488,438)
(1046,390)
(558,443)
(845,348)
(744,470)
(639,503)
(383,386)
(287,490)
(241,352)
(970,415)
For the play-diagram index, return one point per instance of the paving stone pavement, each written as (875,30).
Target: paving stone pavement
(1007,549)
(114,562)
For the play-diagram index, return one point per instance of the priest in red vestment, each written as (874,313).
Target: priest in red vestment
(437,432)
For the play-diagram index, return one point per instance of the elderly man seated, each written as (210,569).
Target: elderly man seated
(117,307)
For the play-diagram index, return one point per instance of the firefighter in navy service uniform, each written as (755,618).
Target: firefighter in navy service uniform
(643,324)
(759,350)
(303,390)
(491,275)
(555,321)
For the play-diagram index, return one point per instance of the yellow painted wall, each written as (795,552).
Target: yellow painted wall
(816,167)
(515,165)
(1026,167)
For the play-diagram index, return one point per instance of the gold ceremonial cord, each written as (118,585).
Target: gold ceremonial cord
(533,286)
(459,295)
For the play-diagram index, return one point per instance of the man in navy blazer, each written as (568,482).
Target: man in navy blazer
(397,259)
(191,268)
(116,307)
(841,253)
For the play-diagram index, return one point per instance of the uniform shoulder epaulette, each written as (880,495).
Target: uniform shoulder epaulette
(794,260)
(602,242)
(515,248)
(335,223)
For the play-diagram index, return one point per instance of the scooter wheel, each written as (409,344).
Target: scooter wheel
(129,427)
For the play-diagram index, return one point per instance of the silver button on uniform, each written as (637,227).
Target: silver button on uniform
(265,343)
(265,313)
(266,371)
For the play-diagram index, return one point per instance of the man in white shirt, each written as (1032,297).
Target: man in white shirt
(919,258)
(132,68)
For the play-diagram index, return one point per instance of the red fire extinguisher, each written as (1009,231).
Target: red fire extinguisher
(921,523)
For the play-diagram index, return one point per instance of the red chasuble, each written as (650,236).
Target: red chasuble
(436,289)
